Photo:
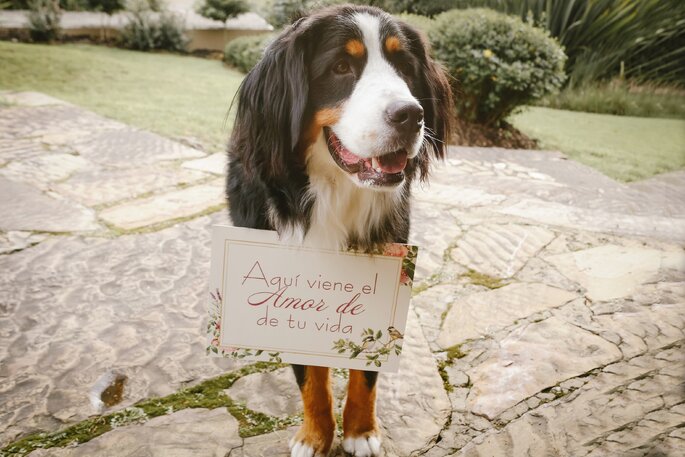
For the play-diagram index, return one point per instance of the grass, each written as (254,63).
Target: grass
(625,148)
(621,98)
(451,354)
(481,279)
(208,394)
(168,94)
(178,96)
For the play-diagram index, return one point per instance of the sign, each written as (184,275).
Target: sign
(270,301)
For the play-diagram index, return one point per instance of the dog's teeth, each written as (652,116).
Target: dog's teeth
(376,165)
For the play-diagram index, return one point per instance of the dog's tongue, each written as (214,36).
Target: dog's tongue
(393,162)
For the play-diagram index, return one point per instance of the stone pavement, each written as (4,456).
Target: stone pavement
(548,319)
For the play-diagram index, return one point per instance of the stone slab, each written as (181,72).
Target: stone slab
(16,241)
(133,304)
(41,171)
(483,313)
(126,147)
(533,358)
(597,220)
(500,250)
(433,229)
(15,148)
(608,415)
(189,432)
(160,208)
(413,406)
(274,393)
(611,271)
(215,163)
(55,124)
(26,208)
(100,186)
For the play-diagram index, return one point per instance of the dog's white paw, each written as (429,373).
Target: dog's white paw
(301,449)
(363,446)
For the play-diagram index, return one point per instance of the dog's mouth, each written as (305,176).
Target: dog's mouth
(383,170)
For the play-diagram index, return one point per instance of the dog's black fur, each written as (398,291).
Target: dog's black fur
(276,103)
(268,181)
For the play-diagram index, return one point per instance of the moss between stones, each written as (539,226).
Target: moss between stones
(208,394)
(480,279)
(118,231)
(451,354)
(426,284)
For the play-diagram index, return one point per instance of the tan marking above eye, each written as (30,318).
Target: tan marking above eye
(326,117)
(355,48)
(392,44)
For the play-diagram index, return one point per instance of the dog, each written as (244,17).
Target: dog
(345,109)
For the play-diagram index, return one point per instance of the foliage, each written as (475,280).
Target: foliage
(622,98)
(107,6)
(648,36)
(420,7)
(148,31)
(497,61)
(284,10)
(222,10)
(417,21)
(44,20)
(244,52)
(74,5)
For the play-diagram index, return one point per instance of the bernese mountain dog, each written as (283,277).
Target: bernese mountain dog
(345,109)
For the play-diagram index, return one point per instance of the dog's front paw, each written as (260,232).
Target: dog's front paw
(366,445)
(310,442)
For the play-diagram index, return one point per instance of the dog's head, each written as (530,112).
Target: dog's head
(351,89)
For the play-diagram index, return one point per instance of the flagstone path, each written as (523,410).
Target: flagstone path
(548,319)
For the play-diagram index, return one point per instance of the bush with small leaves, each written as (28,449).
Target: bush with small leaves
(147,31)
(222,10)
(498,62)
(244,52)
(44,20)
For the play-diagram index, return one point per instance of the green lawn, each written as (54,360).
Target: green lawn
(622,147)
(169,94)
(187,96)
(621,98)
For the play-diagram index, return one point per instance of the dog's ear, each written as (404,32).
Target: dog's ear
(435,96)
(271,103)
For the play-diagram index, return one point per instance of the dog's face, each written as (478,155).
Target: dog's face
(350,90)
(364,99)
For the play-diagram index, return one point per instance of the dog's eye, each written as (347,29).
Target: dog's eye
(341,67)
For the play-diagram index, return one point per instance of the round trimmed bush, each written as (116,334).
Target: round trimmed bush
(244,52)
(498,62)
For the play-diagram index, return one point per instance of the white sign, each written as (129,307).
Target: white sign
(274,302)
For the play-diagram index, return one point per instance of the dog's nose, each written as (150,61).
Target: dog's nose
(405,116)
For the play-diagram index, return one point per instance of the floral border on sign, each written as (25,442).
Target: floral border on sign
(372,345)
(214,333)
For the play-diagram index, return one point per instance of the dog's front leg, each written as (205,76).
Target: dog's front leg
(315,436)
(361,435)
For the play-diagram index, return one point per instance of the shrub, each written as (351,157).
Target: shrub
(108,7)
(148,31)
(417,21)
(222,10)
(244,52)
(420,7)
(597,35)
(44,20)
(498,62)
